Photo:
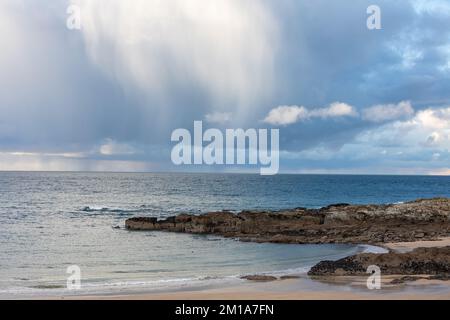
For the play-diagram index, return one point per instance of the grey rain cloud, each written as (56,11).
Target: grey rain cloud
(109,95)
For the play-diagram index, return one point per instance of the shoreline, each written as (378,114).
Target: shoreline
(402,247)
(194,284)
(300,286)
(333,288)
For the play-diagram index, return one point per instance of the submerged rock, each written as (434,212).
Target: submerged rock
(258,277)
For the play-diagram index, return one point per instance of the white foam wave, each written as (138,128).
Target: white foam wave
(372,249)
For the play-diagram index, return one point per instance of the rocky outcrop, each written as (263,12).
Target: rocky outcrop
(426,219)
(421,261)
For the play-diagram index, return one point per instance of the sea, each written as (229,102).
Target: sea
(52,221)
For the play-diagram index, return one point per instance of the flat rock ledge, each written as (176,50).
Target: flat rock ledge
(424,219)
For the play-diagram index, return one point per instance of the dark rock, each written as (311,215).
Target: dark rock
(257,277)
(419,235)
(421,261)
(442,277)
(346,266)
(140,223)
(406,279)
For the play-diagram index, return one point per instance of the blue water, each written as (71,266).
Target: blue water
(49,221)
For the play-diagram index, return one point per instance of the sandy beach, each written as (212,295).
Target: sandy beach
(305,288)
(409,246)
(349,288)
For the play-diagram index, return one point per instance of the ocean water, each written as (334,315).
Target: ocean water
(49,221)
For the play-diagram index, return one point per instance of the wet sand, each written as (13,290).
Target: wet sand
(409,246)
(337,288)
(305,288)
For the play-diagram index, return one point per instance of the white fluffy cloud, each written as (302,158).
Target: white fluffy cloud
(336,109)
(419,145)
(285,115)
(428,128)
(387,112)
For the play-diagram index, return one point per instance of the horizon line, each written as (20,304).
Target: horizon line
(230,173)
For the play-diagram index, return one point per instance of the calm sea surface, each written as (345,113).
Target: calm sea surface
(49,221)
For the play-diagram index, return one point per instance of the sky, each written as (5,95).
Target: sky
(107,96)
